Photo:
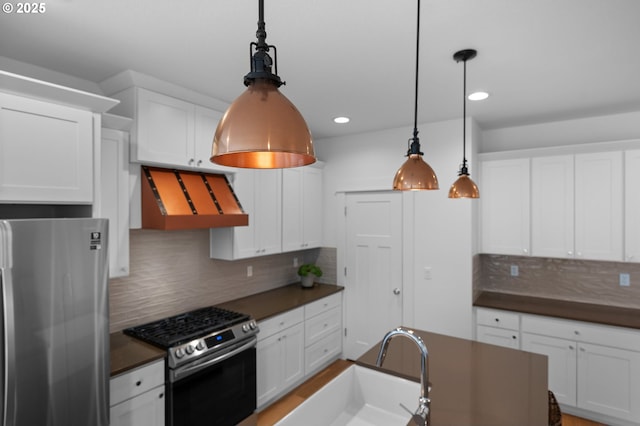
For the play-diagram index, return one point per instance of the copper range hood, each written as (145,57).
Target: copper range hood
(179,199)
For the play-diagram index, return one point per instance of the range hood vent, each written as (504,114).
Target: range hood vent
(179,199)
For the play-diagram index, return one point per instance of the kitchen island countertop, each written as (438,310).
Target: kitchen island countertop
(472,383)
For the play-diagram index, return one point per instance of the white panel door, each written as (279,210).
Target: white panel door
(552,206)
(165,130)
(598,217)
(561,364)
(206,122)
(632,207)
(505,224)
(373,284)
(46,152)
(609,381)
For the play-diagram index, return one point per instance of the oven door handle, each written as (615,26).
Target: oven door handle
(187,370)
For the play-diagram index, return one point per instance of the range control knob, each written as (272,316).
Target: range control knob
(253,325)
(200,345)
(189,349)
(179,353)
(245,327)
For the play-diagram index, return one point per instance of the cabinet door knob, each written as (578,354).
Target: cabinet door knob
(191,161)
(199,163)
(396,291)
(139,382)
(571,347)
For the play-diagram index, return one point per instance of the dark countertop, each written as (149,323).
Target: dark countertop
(590,312)
(273,302)
(472,383)
(128,353)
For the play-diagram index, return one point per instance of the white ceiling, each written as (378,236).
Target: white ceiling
(541,60)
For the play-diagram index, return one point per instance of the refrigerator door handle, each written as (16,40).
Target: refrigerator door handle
(8,351)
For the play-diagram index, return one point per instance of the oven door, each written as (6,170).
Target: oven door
(216,390)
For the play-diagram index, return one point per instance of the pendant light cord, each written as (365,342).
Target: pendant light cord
(464,117)
(415,105)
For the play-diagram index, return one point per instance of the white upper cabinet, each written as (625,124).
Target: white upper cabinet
(632,207)
(552,206)
(260,193)
(114,197)
(505,223)
(169,131)
(46,152)
(301,208)
(599,206)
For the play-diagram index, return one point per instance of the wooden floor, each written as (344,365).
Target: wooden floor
(287,403)
(568,420)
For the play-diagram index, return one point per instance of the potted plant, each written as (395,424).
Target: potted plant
(307,272)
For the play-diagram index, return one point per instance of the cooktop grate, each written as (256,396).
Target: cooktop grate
(182,328)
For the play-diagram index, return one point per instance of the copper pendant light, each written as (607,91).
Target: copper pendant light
(464,187)
(262,129)
(415,173)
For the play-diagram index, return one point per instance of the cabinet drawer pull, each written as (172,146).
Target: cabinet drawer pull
(161,395)
(571,347)
(514,337)
(497,319)
(139,382)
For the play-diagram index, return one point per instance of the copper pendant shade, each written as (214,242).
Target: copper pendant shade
(415,173)
(262,129)
(464,187)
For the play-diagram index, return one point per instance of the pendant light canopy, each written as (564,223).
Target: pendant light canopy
(262,129)
(415,173)
(464,187)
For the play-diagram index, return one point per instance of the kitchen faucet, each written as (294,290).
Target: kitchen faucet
(421,416)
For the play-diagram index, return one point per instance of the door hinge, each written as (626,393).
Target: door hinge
(345,332)
(345,271)
(345,210)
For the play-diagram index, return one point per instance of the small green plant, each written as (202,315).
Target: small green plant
(307,269)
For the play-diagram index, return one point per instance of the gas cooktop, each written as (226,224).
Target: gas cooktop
(176,330)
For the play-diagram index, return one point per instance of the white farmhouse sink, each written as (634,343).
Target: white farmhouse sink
(359,396)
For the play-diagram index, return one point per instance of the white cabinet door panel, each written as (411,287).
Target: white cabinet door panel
(561,364)
(505,202)
(598,204)
(552,207)
(609,381)
(46,152)
(498,336)
(632,207)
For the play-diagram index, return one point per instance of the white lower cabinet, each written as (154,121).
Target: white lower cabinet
(280,355)
(562,364)
(137,397)
(296,344)
(591,367)
(323,332)
(498,328)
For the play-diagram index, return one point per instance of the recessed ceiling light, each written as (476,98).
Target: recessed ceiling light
(478,96)
(341,120)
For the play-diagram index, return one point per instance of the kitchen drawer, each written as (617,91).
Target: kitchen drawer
(135,382)
(618,337)
(498,336)
(275,324)
(314,308)
(321,325)
(499,319)
(322,352)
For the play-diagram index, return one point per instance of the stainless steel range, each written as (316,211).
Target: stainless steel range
(211,365)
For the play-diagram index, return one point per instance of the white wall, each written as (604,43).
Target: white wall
(567,132)
(443,228)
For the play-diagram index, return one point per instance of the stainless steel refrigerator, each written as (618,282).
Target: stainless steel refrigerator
(54,359)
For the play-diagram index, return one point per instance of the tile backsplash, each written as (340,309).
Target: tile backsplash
(171,272)
(566,279)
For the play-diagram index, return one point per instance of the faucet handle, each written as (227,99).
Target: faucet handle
(415,417)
